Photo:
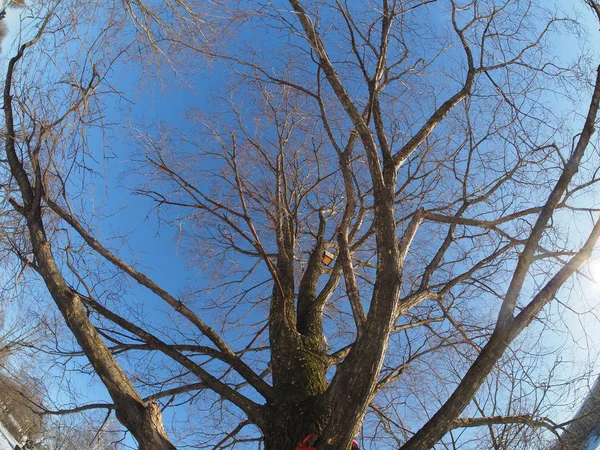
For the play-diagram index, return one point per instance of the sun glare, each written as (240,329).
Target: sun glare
(593,271)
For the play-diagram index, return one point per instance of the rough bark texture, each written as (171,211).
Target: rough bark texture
(291,422)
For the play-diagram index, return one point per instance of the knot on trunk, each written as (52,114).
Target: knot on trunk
(154,423)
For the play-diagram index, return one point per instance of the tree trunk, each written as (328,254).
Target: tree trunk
(299,378)
(291,422)
(150,432)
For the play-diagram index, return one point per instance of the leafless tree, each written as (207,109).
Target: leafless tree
(413,143)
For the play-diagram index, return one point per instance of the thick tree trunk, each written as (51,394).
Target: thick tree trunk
(150,433)
(291,422)
(298,368)
(297,364)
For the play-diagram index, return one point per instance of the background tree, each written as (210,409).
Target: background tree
(416,141)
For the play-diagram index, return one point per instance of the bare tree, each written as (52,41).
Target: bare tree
(379,200)
(68,434)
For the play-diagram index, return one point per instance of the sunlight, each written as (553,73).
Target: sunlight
(593,272)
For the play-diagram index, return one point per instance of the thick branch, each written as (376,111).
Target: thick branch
(249,407)
(242,368)
(507,327)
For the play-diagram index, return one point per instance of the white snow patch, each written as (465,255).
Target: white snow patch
(7,442)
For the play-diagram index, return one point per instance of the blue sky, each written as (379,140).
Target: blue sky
(153,244)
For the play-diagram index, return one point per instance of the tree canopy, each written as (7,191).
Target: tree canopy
(365,219)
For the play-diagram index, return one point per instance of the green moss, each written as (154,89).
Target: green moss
(312,367)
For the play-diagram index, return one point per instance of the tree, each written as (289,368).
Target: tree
(440,176)
(69,434)
(23,415)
